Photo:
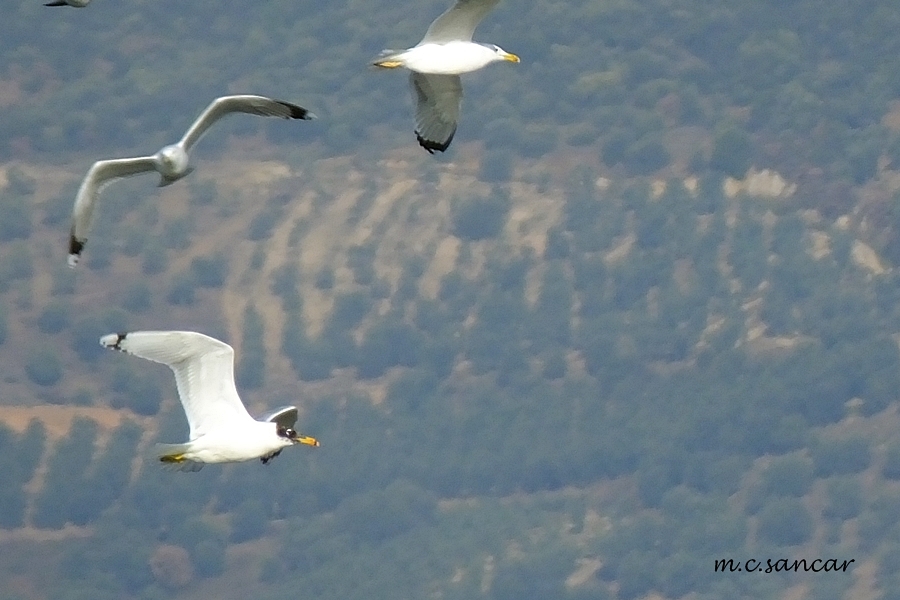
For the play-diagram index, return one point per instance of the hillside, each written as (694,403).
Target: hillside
(640,317)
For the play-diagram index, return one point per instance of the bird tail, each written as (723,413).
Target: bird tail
(172,455)
(388,59)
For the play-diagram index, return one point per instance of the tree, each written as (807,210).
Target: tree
(841,456)
(790,475)
(43,366)
(211,271)
(54,317)
(478,218)
(732,152)
(251,366)
(171,566)
(844,498)
(891,468)
(248,521)
(64,492)
(785,522)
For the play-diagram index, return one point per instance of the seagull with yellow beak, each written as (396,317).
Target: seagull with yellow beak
(446,51)
(221,428)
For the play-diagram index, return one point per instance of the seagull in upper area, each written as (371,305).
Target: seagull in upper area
(221,428)
(171,162)
(436,63)
(75,3)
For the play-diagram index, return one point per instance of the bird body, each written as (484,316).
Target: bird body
(451,58)
(446,51)
(75,3)
(221,429)
(171,162)
(240,442)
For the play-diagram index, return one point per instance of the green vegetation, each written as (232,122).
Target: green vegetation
(559,361)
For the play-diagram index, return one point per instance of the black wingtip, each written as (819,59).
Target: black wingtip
(297,112)
(431,146)
(113,341)
(59,3)
(120,337)
(76,247)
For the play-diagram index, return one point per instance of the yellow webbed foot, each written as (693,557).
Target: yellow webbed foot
(388,64)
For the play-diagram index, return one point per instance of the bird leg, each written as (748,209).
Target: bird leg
(265,459)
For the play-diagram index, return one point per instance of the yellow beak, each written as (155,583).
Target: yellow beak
(510,57)
(304,439)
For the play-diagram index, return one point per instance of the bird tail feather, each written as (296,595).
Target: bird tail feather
(388,59)
(172,455)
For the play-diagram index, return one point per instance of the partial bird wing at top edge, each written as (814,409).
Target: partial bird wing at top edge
(458,22)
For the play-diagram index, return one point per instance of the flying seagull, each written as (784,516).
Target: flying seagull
(75,3)
(221,428)
(436,63)
(171,162)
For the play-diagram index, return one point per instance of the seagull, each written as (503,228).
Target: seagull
(171,162)
(75,3)
(221,428)
(436,63)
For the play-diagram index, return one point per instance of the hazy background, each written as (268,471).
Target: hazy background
(642,314)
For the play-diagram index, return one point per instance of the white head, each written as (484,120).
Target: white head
(291,437)
(501,54)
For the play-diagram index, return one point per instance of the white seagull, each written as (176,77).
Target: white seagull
(221,428)
(75,3)
(436,63)
(171,162)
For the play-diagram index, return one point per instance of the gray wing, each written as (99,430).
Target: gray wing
(285,417)
(458,22)
(254,105)
(101,174)
(437,108)
(204,374)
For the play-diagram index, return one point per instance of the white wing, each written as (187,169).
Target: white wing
(254,105)
(101,174)
(458,22)
(437,108)
(204,373)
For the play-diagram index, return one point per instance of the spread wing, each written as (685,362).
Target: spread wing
(101,174)
(458,22)
(204,373)
(437,108)
(285,417)
(254,105)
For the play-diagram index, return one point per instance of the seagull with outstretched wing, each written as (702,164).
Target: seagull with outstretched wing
(221,429)
(436,62)
(172,162)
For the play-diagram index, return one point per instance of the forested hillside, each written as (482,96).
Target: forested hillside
(642,315)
